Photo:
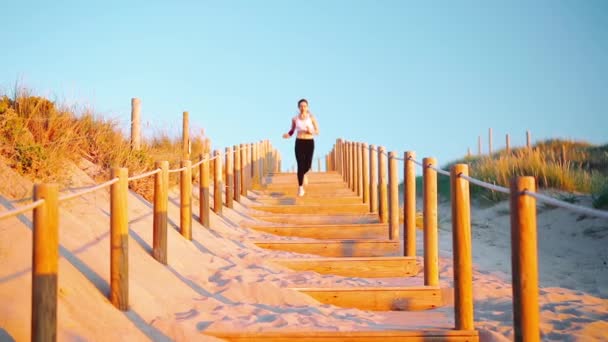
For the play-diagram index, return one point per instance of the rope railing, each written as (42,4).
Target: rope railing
(566,205)
(144,175)
(89,190)
(486,185)
(22,209)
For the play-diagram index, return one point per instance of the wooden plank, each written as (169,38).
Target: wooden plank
(379,298)
(316,219)
(374,267)
(313,209)
(350,336)
(336,248)
(329,231)
(308,199)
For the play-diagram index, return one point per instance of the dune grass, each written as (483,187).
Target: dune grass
(38,138)
(572,167)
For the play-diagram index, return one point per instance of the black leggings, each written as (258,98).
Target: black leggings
(304,151)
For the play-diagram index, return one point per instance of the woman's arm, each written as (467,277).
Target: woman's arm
(293,128)
(315,125)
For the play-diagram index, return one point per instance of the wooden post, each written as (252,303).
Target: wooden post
(356,188)
(45,261)
(204,201)
(319,164)
(393,198)
(490,141)
(382,181)
(431,252)
(119,240)
(528,140)
(338,156)
(508,142)
(237,174)
(250,160)
(350,165)
(185,202)
(186,136)
(243,171)
(373,179)
(479,145)
(463,259)
(161,202)
(135,124)
(409,204)
(229,177)
(217,183)
(327,163)
(255,172)
(468,152)
(365,167)
(359,170)
(524,263)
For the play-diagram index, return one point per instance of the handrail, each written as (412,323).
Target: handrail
(22,209)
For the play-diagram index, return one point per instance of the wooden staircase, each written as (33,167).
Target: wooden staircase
(352,242)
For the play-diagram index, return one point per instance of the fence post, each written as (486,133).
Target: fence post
(359,151)
(409,204)
(255,171)
(365,155)
(135,123)
(204,201)
(490,141)
(45,261)
(229,177)
(217,183)
(161,202)
(462,256)
(373,179)
(524,260)
(237,174)
(186,135)
(528,140)
(185,202)
(243,169)
(508,142)
(382,181)
(119,240)
(479,151)
(431,253)
(393,198)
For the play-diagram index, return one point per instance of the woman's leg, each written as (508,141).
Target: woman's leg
(308,154)
(300,150)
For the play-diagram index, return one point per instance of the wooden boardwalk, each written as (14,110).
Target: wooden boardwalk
(351,242)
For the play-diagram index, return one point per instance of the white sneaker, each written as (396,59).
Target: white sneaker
(301,191)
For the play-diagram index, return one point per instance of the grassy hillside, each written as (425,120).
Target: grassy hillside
(38,138)
(569,166)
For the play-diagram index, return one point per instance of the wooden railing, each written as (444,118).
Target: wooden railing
(350,159)
(254,161)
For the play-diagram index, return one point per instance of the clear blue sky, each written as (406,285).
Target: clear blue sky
(428,76)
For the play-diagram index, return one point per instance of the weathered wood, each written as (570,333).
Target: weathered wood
(161,202)
(229,177)
(393,197)
(119,240)
(45,262)
(186,136)
(373,267)
(328,231)
(382,184)
(204,199)
(185,203)
(244,185)
(431,242)
(218,184)
(508,143)
(358,174)
(312,209)
(379,298)
(237,174)
(365,172)
(461,237)
(336,248)
(528,140)
(409,204)
(524,260)
(426,335)
(373,179)
(351,165)
(135,123)
(315,219)
(289,200)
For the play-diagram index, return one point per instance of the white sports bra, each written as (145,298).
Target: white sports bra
(304,125)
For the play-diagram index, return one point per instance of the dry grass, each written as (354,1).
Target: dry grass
(38,138)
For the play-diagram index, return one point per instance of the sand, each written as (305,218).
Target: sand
(220,280)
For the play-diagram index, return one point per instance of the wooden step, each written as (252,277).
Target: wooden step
(427,335)
(378,298)
(329,231)
(374,267)
(316,219)
(308,199)
(336,248)
(314,209)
